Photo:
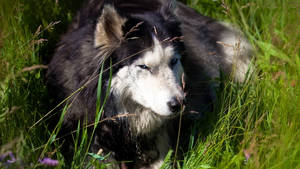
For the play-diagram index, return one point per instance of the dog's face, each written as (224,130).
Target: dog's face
(148,71)
(153,80)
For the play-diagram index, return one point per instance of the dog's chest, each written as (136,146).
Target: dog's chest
(151,152)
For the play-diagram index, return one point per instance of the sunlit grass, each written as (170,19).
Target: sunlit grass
(258,123)
(253,125)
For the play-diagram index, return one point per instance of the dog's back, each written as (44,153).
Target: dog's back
(212,47)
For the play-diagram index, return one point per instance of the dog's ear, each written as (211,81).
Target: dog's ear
(109,27)
(168,8)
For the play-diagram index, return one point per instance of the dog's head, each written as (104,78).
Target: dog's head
(145,44)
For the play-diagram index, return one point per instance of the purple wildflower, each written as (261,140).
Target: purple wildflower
(7,159)
(11,155)
(48,161)
(12,158)
(247,155)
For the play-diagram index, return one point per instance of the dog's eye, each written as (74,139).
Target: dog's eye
(144,67)
(174,61)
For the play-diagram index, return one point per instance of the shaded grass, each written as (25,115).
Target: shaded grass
(253,125)
(23,94)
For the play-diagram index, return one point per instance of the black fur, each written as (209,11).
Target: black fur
(205,60)
(76,63)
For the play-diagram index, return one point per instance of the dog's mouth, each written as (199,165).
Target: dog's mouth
(133,106)
(158,115)
(145,120)
(171,116)
(172,113)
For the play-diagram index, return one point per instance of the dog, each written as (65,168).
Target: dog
(142,50)
(143,42)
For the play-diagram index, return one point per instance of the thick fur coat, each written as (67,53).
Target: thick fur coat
(143,45)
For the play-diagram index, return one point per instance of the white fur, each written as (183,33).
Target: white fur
(155,88)
(151,89)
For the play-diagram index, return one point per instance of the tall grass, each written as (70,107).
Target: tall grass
(253,125)
(257,123)
(28,32)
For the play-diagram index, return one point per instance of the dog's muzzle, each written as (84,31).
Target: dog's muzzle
(175,105)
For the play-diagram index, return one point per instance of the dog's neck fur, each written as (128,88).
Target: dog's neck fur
(151,137)
(142,121)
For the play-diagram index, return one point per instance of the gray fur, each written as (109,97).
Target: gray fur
(97,35)
(212,47)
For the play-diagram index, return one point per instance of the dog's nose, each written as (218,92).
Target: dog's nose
(174,105)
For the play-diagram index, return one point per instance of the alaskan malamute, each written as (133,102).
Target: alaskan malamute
(142,44)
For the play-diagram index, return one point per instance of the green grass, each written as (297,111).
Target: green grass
(260,118)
